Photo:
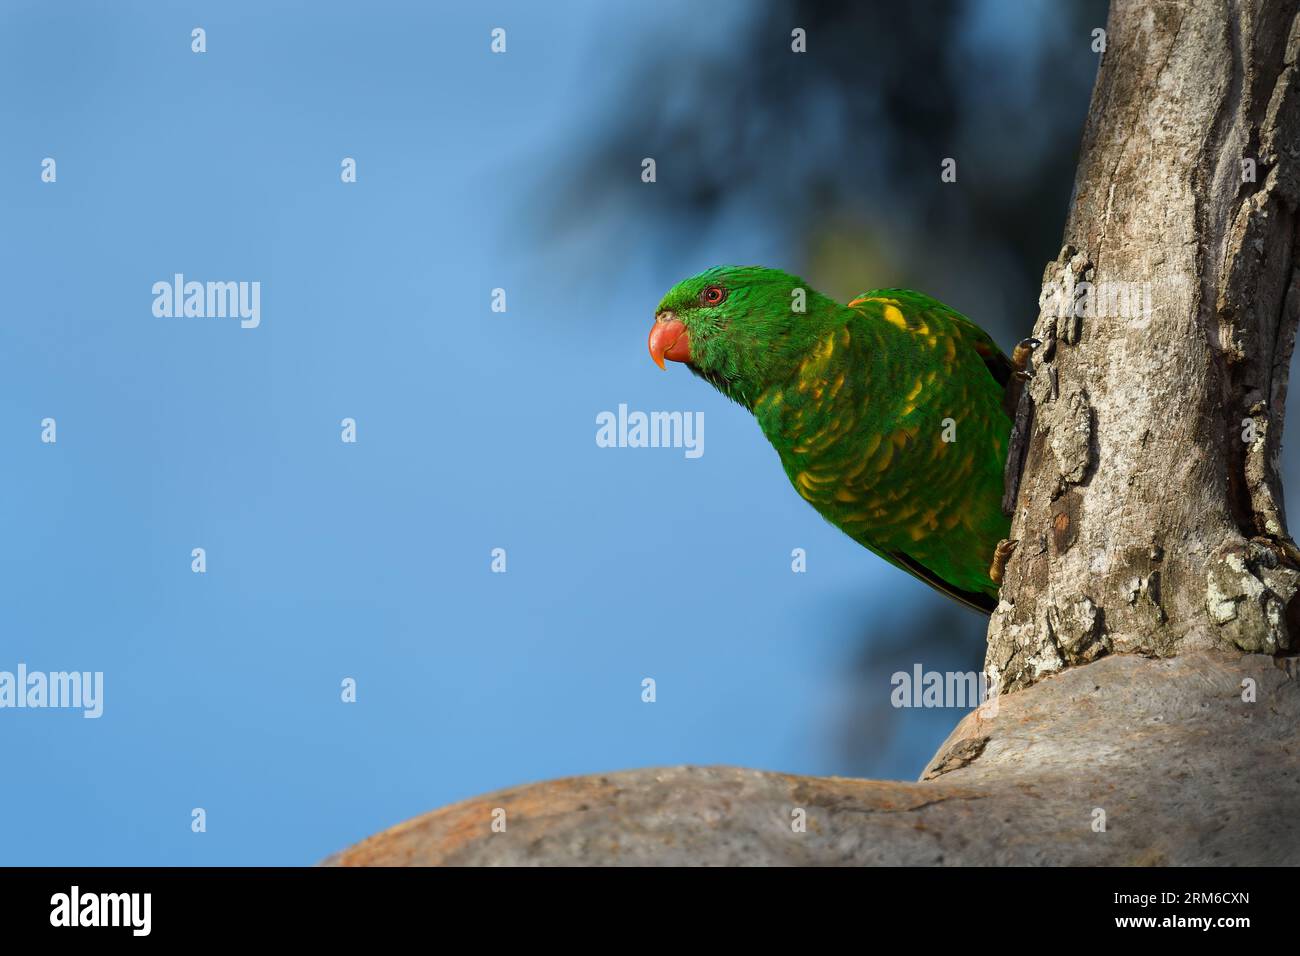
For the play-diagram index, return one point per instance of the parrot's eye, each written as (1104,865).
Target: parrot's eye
(713,295)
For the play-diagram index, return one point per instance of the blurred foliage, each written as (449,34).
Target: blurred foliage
(838,150)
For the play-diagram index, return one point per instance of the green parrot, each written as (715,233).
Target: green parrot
(890,414)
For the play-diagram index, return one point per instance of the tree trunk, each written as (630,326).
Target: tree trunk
(1149,520)
(1150,513)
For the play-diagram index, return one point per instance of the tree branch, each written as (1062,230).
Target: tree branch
(1120,744)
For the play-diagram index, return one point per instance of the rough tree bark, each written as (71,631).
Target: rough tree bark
(1150,514)
(1141,642)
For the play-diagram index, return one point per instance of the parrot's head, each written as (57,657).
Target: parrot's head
(743,328)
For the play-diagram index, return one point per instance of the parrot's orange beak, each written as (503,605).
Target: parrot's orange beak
(669,339)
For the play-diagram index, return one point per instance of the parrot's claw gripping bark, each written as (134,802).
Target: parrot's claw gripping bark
(1020,373)
(1020,357)
(1001,555)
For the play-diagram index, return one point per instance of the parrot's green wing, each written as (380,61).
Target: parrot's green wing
(861,430)
(925,315)
(921,307)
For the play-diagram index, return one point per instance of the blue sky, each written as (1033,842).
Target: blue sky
(476,430)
